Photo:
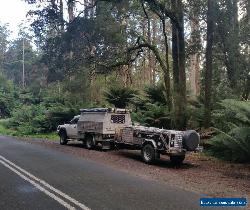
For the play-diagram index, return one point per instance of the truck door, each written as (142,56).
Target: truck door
(72,129)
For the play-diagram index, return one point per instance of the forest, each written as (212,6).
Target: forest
(175,64)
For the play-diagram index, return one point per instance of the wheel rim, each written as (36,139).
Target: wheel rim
(89,143)
(61,139)
(147,153)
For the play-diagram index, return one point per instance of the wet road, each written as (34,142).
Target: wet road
(34,177)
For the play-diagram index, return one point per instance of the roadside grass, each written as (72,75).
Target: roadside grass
(50,136)
(9,132)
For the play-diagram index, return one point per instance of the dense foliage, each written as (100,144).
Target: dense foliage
(232,120)
(175,64)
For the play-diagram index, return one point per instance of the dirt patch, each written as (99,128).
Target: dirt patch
(199,173)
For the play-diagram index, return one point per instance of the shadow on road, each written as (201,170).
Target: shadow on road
(164,162)
(81,145)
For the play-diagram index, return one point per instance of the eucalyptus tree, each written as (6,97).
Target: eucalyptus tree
(4,34)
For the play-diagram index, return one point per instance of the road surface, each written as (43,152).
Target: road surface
(34,177)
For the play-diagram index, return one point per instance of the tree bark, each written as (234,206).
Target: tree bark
(179,74)
(154,41)
(246,92)
(229,34)
(209,63)
(71,6)
(149,53)
(61,17)
(194,58)
(167,72)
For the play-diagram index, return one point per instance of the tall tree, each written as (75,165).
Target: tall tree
(209,61)
(194,48)
(71,8)
(4,34)
(178,53)
(228,29)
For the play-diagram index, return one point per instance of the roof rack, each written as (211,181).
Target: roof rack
(110,110)
(95,110)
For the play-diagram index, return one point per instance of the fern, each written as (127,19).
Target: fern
(119,97)
(232,122)
(234,146)
(232,112)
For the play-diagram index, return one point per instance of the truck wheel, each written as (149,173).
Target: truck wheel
(177,159)
(148,153)
(63,138)
(90,142)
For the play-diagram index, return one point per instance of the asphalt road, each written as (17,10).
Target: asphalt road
(35,177)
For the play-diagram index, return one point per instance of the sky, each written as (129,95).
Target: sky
(13,12)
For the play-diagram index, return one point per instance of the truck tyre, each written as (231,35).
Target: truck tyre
(90,142)
(177,159)
(148,153)
(63,138)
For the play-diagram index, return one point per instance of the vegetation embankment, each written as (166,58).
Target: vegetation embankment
(135,54)
(4,130)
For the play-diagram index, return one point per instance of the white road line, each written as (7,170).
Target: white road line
(65,196)
(59,200)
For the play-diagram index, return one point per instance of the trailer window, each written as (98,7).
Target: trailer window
(120,119)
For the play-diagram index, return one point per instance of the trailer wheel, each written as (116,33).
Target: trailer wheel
(148,153)
(177,160)
(90,141)
(63,138)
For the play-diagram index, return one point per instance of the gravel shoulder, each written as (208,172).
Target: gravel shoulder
(199,173)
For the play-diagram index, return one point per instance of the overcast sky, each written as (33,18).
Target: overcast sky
(13,12)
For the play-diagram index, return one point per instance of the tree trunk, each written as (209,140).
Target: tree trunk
(61,17)
(167,72)
(153,60)
(179,75)
(229,34)
(86,12)
(71,6)
(144,61)
(149,53)
(194,63)
(246,92)
(209,62)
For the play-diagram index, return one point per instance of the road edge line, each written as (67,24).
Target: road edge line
(65,196)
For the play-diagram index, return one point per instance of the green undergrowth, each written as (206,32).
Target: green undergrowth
(10,132)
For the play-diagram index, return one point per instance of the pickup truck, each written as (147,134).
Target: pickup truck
(95,126)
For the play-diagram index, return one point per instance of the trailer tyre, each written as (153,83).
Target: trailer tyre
(148,153)
(191,140)
(63,138)
(90,142)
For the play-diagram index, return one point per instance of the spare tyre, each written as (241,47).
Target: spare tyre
(190,140)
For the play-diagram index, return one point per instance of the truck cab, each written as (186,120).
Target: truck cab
(69,130)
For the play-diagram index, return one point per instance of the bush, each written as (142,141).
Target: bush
(156,94)
(119,97)
(154,115)
(6,97)
(40,119)
(230,114)
(232,122)
(234,146)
